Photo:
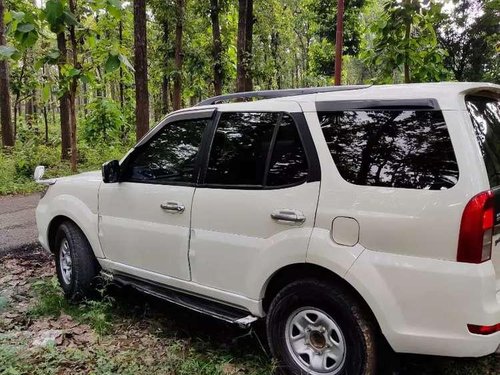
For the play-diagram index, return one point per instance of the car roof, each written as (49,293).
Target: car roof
(445,93)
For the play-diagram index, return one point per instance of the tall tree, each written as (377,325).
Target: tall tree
(141,70)
(64,99)
(405,41)
(5,111)
(177,100)
(470,36)
(217,46)
(244,46)
(73,85)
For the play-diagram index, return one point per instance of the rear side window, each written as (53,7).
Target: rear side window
(485,115)
(256,150)
(392,148)
(288,164)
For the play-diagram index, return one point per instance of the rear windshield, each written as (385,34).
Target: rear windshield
(485,114)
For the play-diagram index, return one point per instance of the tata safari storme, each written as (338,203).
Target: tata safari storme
(338,215)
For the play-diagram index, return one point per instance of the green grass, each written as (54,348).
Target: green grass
(50,301)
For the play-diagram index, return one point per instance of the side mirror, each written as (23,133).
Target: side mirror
(111,171)
(39,172)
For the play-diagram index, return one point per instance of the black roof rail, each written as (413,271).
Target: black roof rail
(269,94)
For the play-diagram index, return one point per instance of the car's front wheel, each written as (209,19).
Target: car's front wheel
(315,328)
(76,265)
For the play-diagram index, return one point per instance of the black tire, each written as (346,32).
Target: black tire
(84,266)
(355,325)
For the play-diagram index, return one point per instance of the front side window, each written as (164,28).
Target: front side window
(256,150)
(392,148)
(170,156)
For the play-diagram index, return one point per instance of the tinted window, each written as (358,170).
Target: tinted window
(485,115)
(288,162)
(240,147)
(170,156)
(405,149)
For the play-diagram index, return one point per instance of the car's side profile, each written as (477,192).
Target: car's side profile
(337,215)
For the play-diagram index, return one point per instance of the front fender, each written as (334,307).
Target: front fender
(80,208)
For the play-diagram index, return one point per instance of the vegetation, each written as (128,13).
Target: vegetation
(129,333)
(81,80)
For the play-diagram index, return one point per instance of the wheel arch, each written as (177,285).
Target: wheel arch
(54,226)
(296,271)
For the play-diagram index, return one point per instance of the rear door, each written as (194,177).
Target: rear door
(256,206)
(484,111)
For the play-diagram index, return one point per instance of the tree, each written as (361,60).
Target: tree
(217,47)
(177,102)
(470,36)
(405,41)
(244,46)
(141,70)
(5,110)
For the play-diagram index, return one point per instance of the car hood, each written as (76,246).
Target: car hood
(94,176)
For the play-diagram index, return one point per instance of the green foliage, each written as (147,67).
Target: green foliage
(31,155)
(471,36)
(404,35)
(104,121)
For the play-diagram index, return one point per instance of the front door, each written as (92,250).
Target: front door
(255,207)
(144,220)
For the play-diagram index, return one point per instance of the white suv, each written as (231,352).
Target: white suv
(337,214)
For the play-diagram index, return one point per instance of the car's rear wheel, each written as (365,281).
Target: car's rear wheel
(76,265)
(315,328)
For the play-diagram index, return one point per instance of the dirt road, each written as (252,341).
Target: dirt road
(17,221)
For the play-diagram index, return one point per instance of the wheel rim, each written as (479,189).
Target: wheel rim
(315,341)
(65,261)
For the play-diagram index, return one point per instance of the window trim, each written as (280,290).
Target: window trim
(150,136)
(429,104)
(314,171)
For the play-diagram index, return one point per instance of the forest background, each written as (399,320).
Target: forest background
(82,80)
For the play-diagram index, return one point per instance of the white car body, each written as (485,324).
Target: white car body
(396,247)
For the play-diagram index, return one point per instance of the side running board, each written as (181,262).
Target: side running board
(214,309)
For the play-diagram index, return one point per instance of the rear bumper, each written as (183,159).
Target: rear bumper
(423,306)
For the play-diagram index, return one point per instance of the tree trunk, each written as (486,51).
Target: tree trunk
(8,138)
(164,94)
(177,104)
(141,70)
(217,47)
(120,34)
(240,46)
(46,122)
(64,101)
(275,40)
(28,112)
(248,46)
(165,82)
(72,90)
(244,46)
(406,66)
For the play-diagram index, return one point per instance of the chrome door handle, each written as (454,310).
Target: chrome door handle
(288,216)
(173,207)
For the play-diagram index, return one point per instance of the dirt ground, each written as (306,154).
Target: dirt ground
(124,332)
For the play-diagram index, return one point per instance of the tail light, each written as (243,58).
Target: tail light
(476,230)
